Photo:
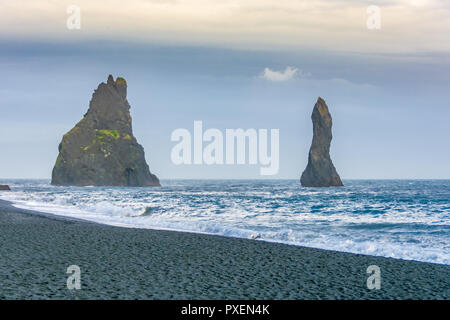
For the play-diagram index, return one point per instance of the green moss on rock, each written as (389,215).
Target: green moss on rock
(112,133)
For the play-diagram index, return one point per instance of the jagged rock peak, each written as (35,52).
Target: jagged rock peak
(120,85)
(320,171)
(101,149)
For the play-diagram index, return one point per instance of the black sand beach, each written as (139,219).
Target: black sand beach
(122,263)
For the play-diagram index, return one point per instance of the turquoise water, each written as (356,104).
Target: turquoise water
(407,219)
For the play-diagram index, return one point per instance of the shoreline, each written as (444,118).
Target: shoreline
(6,204)
(132,263)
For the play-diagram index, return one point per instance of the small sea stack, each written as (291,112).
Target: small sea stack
(101,149)
(320,171)
(4,187)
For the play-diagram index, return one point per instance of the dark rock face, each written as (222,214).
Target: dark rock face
(101,149)
(320,171)
(4,187)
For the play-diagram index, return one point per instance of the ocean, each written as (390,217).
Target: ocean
(405,219)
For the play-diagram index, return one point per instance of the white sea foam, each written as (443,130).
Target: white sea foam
(396,221)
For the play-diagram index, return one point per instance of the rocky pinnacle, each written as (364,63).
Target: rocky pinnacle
(320,171)
(101,149)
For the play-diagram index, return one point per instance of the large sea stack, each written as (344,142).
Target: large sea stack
(101,149)
(320,171)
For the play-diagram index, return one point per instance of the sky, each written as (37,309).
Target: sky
(234,64)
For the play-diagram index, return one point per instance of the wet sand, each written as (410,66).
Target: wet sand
(126,263)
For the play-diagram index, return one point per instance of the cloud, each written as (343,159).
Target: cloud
(288,74)
(409,26)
